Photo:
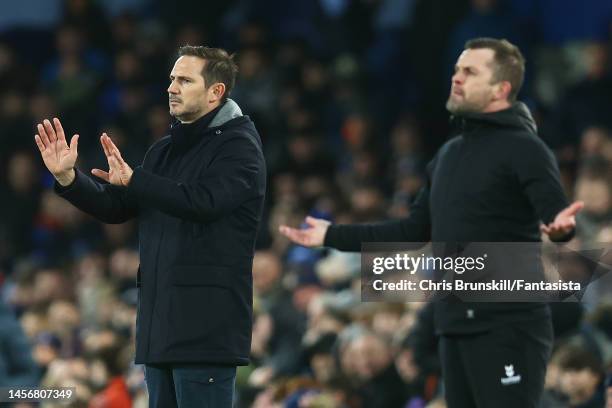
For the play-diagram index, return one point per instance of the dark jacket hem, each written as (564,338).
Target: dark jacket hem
(207,357)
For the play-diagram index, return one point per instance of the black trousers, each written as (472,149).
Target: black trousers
(503,367)
(190,386)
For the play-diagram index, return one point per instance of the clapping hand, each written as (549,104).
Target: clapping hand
(119,173)
(58,157)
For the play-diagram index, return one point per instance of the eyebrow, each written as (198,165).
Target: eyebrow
(469,67)
(171,77)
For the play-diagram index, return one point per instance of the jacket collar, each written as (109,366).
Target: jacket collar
(185,135)
(517,117)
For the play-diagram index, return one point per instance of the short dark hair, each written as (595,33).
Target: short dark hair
(508,62)
(573,357)
(219,66)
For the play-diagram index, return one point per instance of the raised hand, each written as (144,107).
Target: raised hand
(313,236)
(119,173)
(564,222)
(58,157)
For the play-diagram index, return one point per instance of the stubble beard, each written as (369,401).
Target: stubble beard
(464,106)
(183,115)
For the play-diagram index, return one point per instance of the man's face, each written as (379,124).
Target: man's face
(472,89)
(188,95)
(579,385)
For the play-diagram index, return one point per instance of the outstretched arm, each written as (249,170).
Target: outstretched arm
(414,228)
(236,174)
(108,203)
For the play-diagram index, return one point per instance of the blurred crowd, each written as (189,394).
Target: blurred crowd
(348,97)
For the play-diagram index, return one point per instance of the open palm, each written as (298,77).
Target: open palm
(119,173)
(311,236)
(113,175)
(564,222)
(51,141)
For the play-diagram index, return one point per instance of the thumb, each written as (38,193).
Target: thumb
(74,143)
(312,221)
(101,173)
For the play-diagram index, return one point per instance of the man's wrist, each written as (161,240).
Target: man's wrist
(65,179)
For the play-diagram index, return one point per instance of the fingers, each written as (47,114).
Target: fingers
(103,144)
(114,163)
(293,234)
(117,155)
(59,130)
(575,207)
(43,135)
(39,143)
(110,149)
(74,143)
(564,223)
(50,131)
(558,227)
(102,174)
(113,148)
(312,221)
(567,225)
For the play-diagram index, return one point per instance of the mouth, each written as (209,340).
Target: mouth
(174,101)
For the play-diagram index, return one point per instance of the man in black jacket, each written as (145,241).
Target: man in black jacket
(495,182)
(198,197)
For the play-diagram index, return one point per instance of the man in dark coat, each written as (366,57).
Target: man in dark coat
(198,197)
(495,182)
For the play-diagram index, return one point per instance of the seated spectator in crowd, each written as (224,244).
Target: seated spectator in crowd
(575,379)
(17,367)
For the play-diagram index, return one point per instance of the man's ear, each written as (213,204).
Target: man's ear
(503,90)
(216,92)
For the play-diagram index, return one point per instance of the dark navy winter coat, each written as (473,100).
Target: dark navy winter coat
(198,198)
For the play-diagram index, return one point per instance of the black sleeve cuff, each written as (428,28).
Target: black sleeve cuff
(331,236)
(61,190)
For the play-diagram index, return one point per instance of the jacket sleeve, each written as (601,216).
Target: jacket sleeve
(539,177)
(106,202)
(415,228)
(231,179)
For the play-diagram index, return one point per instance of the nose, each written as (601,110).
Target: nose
(457,78)
(172,88)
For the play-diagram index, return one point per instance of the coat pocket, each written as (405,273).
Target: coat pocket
(201,304)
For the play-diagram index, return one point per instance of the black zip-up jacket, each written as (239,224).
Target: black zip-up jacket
(198,197)
(495,182)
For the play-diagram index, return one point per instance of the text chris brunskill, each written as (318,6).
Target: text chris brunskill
(481,272)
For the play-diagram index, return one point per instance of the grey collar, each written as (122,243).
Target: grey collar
(228,111)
